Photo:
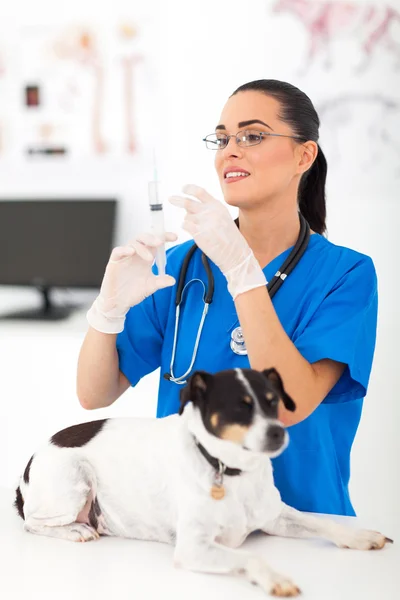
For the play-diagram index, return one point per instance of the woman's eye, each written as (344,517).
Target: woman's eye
(251,139)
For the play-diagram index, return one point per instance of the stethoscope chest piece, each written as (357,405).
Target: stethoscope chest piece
(238,345)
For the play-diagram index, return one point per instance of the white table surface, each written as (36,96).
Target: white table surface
(43,568)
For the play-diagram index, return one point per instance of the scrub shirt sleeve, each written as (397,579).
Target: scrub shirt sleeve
(343,328)
(139,344)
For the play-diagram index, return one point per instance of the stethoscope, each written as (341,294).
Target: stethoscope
(237,342)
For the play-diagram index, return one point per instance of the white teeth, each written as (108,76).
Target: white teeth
(233,174)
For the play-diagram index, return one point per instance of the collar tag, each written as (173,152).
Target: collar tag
(218,489)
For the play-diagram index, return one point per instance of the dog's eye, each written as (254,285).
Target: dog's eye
(247,401)
(272,399)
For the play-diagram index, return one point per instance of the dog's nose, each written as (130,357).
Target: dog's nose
(275,437)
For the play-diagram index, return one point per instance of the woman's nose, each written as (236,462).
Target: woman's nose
(232,148)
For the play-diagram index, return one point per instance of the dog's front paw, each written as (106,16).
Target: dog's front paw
(285,589)
(363,539)
(80,532)
(259,573)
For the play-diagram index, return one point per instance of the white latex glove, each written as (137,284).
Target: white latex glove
(216,234)
(128,280)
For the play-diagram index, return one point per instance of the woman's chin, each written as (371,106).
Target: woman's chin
(246,198)
(238,199)
(234,194)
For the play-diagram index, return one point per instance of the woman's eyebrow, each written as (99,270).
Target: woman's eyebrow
(246,124)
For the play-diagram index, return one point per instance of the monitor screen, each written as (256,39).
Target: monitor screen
(55,243)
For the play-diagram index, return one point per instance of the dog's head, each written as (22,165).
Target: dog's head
(241,405)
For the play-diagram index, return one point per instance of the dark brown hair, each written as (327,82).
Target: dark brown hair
(298,111)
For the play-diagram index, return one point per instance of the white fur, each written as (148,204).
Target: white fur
(152,483)
(246,384)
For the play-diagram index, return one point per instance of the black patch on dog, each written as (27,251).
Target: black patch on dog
(27,470)
(196,390)
(224,394)
(19,503)
(94,512)
(77,436)
(97,507)
(275,379)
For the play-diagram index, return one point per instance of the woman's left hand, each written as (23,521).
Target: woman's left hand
(216,234)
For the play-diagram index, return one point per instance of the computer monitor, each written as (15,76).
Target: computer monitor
(48,243)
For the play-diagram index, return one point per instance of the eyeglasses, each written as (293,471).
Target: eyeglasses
(245,138)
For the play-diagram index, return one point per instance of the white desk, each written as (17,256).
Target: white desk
(42,568)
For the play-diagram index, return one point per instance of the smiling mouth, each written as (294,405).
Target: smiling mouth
(233,177)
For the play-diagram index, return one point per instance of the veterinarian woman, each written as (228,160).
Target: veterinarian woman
(318,330)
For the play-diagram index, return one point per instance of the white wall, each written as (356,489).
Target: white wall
(197,55)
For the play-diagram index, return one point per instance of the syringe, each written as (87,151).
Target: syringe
(157,221)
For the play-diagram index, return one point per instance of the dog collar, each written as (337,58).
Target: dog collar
(217,489)
(216,463)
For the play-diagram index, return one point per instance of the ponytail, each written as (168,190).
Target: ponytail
(297,110)
(312,202)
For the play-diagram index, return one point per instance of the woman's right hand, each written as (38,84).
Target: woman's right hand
(128,280)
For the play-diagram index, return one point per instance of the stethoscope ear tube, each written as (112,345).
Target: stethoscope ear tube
(209,291)
(181,379)
(210,279)
(182,274)
(293,258)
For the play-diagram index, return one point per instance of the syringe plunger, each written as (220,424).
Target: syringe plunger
(154,201)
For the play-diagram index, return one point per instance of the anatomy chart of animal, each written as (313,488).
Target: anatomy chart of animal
(373,28)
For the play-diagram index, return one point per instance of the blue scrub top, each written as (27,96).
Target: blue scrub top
(328,308)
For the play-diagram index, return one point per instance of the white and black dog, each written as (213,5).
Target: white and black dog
(201,480)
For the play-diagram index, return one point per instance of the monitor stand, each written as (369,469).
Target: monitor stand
(46,312)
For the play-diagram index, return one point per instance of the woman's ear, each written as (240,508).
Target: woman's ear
(275,379)
(307,155)
(195,390)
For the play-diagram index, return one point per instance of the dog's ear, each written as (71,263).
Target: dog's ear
(275,379)
(195,390)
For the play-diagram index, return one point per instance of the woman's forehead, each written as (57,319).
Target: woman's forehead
(249,105)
